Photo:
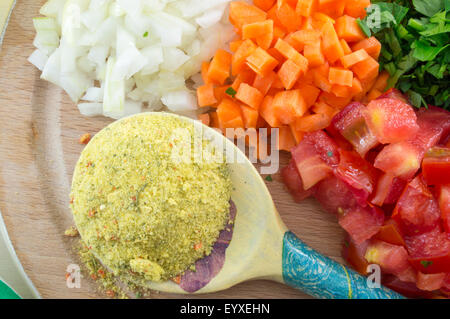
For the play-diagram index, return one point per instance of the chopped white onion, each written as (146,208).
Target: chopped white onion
(142,52)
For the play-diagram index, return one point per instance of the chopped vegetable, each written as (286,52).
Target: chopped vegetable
(415,37)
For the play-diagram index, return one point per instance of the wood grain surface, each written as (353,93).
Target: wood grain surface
(39,132)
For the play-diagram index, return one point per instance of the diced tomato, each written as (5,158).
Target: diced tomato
(430,282)
(334,195)
(315,156)
(392,259)
(436,166)
(407,289)
(354,255)
(430,252)
(358,174)
(390,233)
(417,210)
(294,183)
(444,205)
(389,189)
(446,285)
(393,94)
(391,120)
(351,124)
(404,159)
(362,223)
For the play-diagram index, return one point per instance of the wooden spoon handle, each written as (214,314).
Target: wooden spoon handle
(321,277)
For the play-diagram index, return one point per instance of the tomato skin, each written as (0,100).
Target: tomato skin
(388,190)
(430,252)
(390,233)
(315,157)
(417,210)
(293,182)
(391,120)
(407,289)
(354,255)
(394,94)
(351,124)
(334,195)
(404,159)
(393,259)
(444,205)
(436,166)
(430,282)
(362,223)
(358,174)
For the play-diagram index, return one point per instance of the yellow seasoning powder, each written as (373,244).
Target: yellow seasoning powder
(140,211)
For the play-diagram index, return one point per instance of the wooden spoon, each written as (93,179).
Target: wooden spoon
(263,248)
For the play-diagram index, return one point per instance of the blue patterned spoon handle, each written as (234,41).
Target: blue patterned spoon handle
(321,277)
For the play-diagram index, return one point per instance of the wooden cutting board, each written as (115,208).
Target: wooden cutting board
(39,132)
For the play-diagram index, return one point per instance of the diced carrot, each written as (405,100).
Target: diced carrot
(307,78)
(276,55)
(289,73)
(343,91)
(256,29)
(313,53)
(335,101)
(293,43)
(366,69)
(245,76)
(373,94)
(214,120)
(298,135)
(264,4)
(220,92)
(307,24)
(262,32)
(323,108)
(371,45)
(261,122)
(267,112)
(306,36)
(354,58)
(345,47)
(261,62)
(243,13)
(205,95)
(382,81)
(205,68)
(313,122)
(319,19)
(348,29)
(288,17)
(229,114)
(305,7)
(240,56)
(234,45)
(290,53)
(321,81)
(340,76)
(205,119)
(219,69)
(272,15)
(356,8)
(309,93)
(249,95)
(264,83)
(332,48)
(356,87)
(250,116)
(285,139)
(332,8)
(278,33)
(289,105)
